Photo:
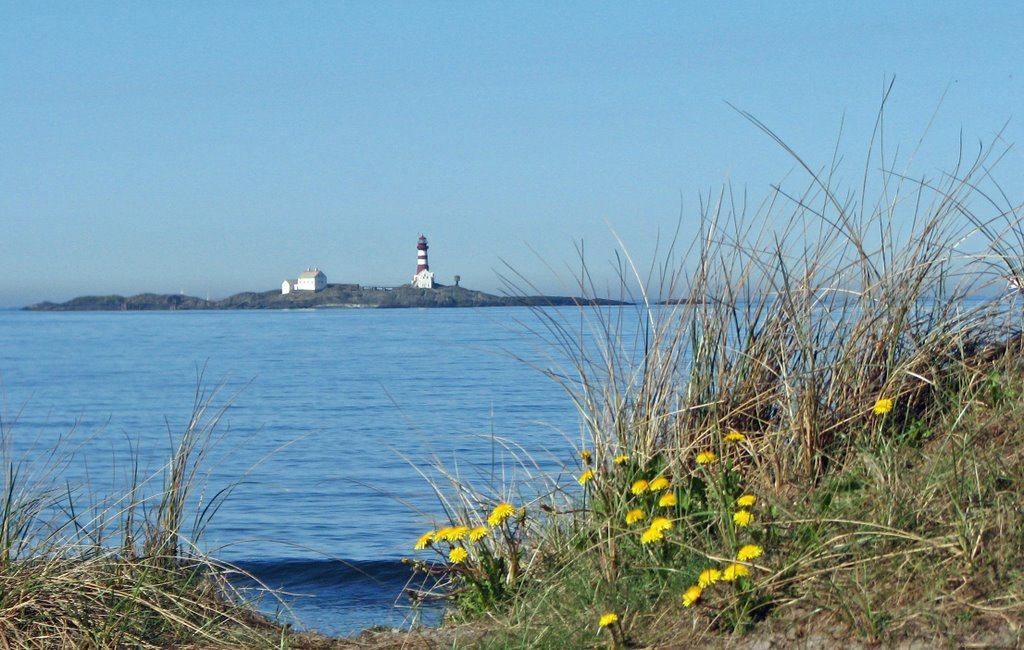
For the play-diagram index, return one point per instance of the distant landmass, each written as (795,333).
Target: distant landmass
(333,296)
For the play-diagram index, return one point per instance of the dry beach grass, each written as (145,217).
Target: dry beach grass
(822,440)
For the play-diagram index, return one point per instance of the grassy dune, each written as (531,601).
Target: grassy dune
(823,441)
(119,572)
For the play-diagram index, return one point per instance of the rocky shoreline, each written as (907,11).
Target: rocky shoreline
(338,296)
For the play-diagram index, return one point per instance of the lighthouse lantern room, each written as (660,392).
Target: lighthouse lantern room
(424,278)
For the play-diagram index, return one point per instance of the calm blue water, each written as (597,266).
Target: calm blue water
(329,416)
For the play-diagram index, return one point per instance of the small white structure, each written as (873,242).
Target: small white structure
(309,280)
(424,278)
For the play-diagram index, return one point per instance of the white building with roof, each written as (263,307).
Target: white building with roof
(309,280)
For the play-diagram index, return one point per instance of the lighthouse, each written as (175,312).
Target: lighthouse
(424,278)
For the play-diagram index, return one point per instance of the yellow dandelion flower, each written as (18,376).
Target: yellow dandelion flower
(457,555)
(734,571)
(735,436)
(442,534)
(585,456)
(639,487)
(692,595)
(585,477)
(608,619)
(749,552)
(706,457)
(621,460)
(660,524)
(634,515)
(668,500)
(659,484)
(882,406)
(652,535)
(708,577)
(746,500)
(478,533)
(424,540)
(501,512)
(457,533)
(742,518)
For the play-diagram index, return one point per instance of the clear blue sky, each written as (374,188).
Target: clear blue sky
(216,147)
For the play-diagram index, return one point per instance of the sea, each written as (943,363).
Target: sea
(334,436)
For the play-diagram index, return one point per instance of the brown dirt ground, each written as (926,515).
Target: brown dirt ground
(991,632)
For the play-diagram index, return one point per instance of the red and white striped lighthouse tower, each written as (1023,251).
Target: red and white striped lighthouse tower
(424,278)
(421,255)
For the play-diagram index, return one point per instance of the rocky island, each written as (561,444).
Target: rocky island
(312,291)
(332,296)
